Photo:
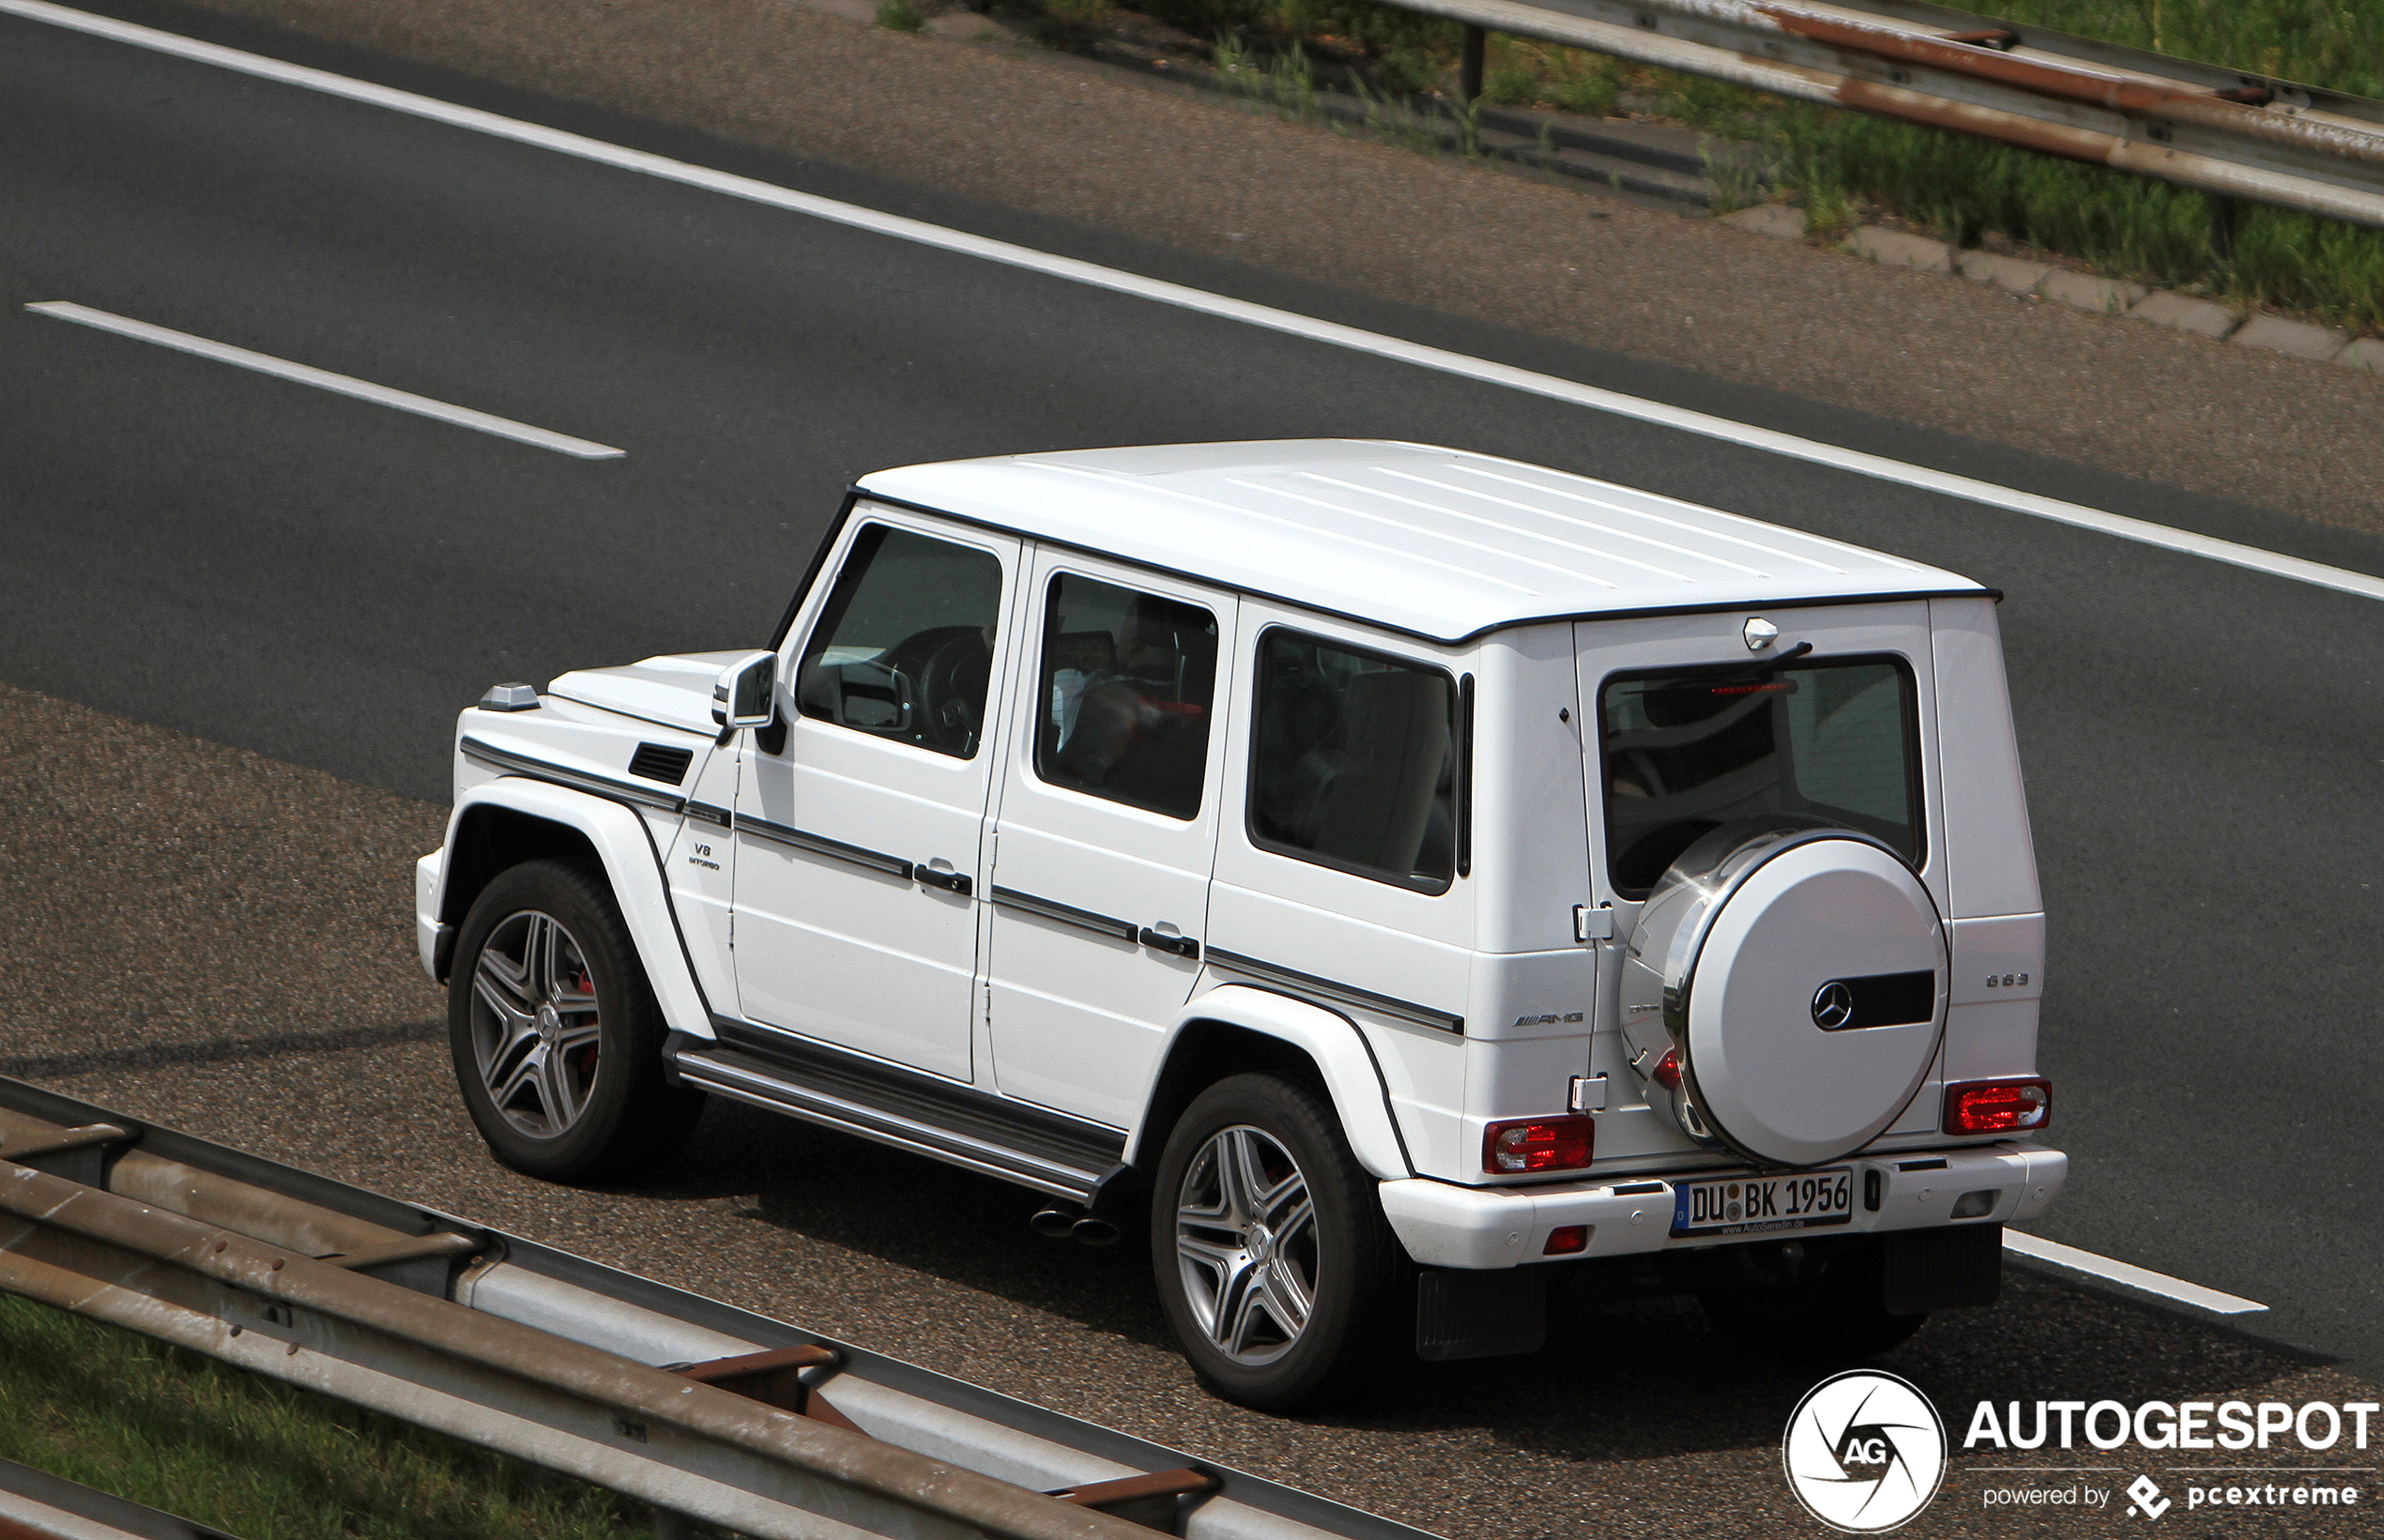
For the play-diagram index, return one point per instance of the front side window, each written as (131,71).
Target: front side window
(1354,761)
(1837,742)
(1128,679)
(904,648)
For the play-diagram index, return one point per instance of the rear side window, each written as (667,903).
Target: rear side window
(904,648)
(1354,761)
(1837,740)
(1127,681)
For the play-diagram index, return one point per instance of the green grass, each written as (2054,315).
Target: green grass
(178,1431)
(1839,164)
(900,16)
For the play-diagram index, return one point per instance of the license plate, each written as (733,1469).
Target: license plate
(1750,1205)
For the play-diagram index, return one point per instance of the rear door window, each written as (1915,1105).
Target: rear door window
(1127,681)
(1836,740)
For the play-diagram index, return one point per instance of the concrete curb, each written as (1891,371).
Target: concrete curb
(2084,291)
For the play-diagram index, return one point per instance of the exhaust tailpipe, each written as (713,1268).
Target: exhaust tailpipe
(1057,1222)
(1095,1232)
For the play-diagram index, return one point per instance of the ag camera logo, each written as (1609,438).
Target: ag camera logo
(1864,1451)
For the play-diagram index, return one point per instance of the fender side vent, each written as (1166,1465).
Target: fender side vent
(661,762)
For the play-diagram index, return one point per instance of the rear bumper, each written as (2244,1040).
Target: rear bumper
(1443,1225)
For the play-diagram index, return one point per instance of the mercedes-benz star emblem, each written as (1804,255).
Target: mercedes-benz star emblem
(1833,1005)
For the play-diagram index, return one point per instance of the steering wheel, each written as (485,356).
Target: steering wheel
(951,692)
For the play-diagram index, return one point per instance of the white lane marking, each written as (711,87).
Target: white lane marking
(2130,1274)
(1290,323)
(265,363)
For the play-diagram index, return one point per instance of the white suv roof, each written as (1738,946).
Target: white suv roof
(1440,543)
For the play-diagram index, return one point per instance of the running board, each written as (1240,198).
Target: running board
(957,1124)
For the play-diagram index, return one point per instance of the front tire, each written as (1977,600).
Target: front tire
(555,1032)
(1276,1270)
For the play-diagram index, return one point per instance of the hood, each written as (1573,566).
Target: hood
(674,691)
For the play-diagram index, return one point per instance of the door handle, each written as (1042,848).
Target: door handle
(950,882)
(1182,946)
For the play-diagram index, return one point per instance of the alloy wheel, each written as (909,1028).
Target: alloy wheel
(535,1023)
(1246,1245)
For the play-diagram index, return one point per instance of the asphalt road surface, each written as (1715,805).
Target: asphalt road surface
(324,581)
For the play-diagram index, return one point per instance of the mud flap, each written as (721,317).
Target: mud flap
(1941,1269)
(1465,1313)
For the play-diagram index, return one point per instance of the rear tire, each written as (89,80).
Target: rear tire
(1275,1267)
(555,1032)
(1838,1317)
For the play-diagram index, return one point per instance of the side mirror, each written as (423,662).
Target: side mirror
(746,694)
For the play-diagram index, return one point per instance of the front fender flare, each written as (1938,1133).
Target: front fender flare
(1336,1043)
(632,865)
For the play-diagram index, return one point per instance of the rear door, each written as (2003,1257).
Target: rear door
(1692,730)
(1106,832)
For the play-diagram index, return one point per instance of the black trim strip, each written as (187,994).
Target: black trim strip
(820,844)
(1116,930)
(706,812)
(539,769)
(1375,622)
(1365,999)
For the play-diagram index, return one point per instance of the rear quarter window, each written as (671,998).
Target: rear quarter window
(1354,761)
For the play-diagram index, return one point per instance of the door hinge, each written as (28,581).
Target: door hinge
(1595,924)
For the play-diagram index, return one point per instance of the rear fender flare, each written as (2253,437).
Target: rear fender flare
(624,844)
(1329,1040)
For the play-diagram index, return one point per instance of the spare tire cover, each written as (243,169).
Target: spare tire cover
(1799,975)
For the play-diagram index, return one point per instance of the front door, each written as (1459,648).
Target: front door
(859,841)
(1106,832)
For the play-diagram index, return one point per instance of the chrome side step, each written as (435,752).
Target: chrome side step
(957,1124)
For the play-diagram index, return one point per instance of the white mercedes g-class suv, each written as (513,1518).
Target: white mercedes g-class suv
(1411,879)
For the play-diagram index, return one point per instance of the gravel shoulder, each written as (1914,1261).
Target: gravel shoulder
(221,943)
(1025,131)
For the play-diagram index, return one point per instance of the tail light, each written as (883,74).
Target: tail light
(1667,1070)
(1538,1144)
(1998,1106)
(1565,1239)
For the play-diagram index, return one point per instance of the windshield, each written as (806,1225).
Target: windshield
(1837,739)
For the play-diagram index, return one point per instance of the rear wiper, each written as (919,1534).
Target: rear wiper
(1760,667)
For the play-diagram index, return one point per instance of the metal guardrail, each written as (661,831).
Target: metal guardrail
(2234,134)
(37,1506)
(702,1410)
